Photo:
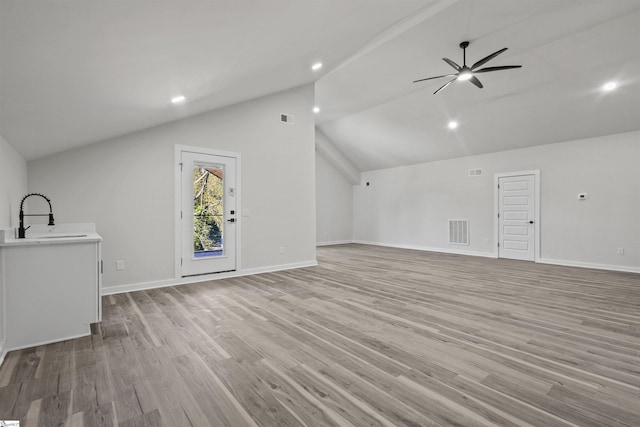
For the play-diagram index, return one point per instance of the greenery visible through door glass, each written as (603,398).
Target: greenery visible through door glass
(208,211)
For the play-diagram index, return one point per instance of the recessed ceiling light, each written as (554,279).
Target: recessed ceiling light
(178,99)
(452,124)
(609,86)
(316,66)
(316,110)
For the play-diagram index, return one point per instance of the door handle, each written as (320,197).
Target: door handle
(530,222)
(231,220)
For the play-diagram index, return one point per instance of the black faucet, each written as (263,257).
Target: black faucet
(21,229)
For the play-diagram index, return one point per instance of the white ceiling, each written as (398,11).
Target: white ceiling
(75,72)
(79,71)
(378,118)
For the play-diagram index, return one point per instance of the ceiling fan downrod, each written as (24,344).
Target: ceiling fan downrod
(464,46)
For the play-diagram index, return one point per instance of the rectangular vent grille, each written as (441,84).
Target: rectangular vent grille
(475,172)
(459,231)
(288,118)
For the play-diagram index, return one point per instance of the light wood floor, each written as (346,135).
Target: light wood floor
(372,336)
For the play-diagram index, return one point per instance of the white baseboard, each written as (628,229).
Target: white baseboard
(3,352)
(272,268)
(112,290)
(131,287)
(428,249)
(334,242)
(624,268)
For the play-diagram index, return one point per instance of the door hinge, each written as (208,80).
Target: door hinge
(180,214)
(498,244)
(180,166)
(498,185)
(180,261)
(498,215)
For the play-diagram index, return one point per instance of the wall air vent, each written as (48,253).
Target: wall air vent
(475,172)
(459,231)
(288,119)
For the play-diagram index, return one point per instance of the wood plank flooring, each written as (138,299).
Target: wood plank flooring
(371,337)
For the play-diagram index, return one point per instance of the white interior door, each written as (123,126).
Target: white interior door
(516,217)
(208,213)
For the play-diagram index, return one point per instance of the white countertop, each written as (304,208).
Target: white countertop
(52,235)
(53,239)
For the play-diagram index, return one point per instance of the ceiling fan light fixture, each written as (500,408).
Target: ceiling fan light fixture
(316,109)
(178,99)
(316,66)
(608,87)
(465,75)
(468,73)
(452,124)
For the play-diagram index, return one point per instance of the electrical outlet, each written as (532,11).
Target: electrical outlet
(486,241)
(281,250)
(620,251)
(120,265)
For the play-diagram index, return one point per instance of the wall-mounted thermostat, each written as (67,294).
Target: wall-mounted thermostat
(583,196)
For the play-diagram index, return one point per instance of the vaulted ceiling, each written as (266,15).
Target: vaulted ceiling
(378,118)
(76,72)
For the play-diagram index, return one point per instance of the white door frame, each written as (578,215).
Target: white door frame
(177,185)
(496,204)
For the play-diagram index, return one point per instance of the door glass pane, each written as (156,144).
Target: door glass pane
(208,210)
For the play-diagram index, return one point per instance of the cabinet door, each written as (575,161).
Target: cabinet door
(51,292)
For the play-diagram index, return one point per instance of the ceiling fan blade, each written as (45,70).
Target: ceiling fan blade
(436,77)
(476,82)
(453,64)
(487,58)
(444,85)
(502,67)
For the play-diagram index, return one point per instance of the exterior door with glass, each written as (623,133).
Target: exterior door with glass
(208,213)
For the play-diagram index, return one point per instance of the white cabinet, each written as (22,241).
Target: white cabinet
(51,289)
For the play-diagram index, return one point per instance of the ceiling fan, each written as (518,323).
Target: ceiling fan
(468,73)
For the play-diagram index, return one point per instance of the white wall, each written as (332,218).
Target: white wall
(410,206)
(333,155)
(126,186)
(13,184)
(334,204)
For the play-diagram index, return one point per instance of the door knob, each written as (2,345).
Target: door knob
(530,222)
(231,220)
